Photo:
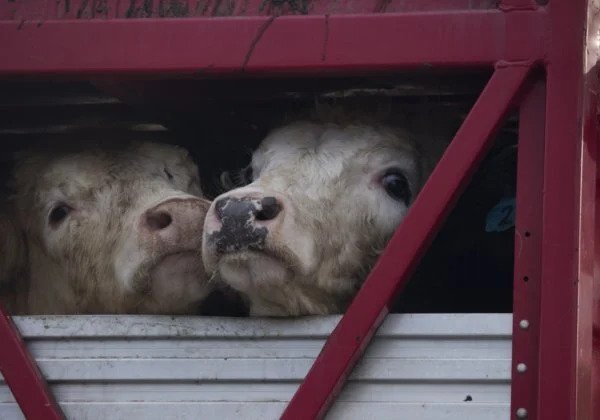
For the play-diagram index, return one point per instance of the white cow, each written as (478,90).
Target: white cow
(116,229)
(324,200)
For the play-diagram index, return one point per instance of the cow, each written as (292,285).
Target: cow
(106,228)
(323,200)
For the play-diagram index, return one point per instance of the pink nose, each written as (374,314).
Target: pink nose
(176,220)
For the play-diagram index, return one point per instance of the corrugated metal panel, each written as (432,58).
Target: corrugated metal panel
(147,367)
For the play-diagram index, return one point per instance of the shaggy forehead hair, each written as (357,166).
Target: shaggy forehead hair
(326,158)
(83,170)
(375,131)
(126,158)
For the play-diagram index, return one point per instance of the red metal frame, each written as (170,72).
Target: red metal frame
(528,248)
(22,375)
(267,45)
(566,256)
(556,168)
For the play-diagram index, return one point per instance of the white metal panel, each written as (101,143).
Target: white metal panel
(252,348)
(278,369)
(413,325)
(146,367)
(267,392)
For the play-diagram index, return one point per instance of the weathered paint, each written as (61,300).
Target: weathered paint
(342,44)
(41,10)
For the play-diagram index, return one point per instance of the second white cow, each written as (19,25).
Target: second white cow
(324,200)
(115,229)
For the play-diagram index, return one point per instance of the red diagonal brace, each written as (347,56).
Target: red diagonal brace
(354,331)
(22,375)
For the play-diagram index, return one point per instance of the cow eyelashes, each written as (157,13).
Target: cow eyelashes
(168,174)
(247,175)
(235,179)
(396,185)
(58,214)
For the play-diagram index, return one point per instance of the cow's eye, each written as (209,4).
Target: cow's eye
(59,213)
(168,174)
(396,186)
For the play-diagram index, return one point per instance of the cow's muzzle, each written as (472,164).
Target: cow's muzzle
(243,223)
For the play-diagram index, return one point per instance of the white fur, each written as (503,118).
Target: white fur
(102,258)
(336,216)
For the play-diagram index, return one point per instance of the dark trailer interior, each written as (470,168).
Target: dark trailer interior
(469,267)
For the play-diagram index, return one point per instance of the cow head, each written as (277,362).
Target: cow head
(111,230)
(323,202)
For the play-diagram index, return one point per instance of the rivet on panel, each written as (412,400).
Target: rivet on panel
(521,367)
(524,324)
(522,413)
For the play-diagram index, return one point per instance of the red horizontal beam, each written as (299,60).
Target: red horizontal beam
(370,306)
(22,375)
(261,45)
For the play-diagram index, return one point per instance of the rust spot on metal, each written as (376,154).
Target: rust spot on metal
(97,8)
(216,7)
(276,7)
(173,8)
(224,8)
(381,6)
(100,8)
(143,11)
(201,7)
(81,12)
(63,8)
(255,41)
(244,7)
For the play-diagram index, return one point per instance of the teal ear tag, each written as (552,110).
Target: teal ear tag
(502,216)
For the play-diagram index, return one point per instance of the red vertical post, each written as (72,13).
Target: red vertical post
(528,250)
(567,233)
(596,327)
(591,139)
(596,294)
(22,375)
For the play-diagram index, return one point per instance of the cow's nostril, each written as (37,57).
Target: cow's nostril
(159,220)
(270,208)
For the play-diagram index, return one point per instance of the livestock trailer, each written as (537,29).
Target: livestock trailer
(537,63)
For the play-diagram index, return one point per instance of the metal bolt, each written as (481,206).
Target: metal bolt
(521,367)
(524,324)
(522,413)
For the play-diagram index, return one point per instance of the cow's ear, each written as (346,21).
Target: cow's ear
(13,253)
